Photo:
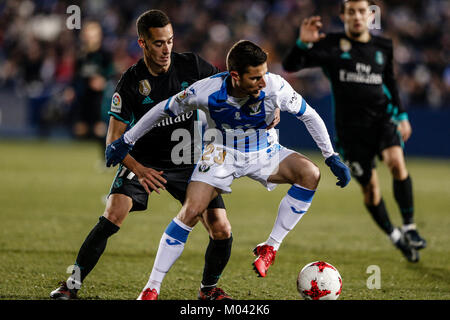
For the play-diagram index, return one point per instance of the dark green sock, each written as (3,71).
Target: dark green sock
(403,194)
(381,217)
(94,245)
(216,258)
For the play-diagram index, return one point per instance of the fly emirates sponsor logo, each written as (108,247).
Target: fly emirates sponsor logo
(363,74)
(181,118)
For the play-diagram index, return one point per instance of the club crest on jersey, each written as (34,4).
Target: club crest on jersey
(345,45)
(203,168)
(116,103)
(118,183)
(255,108)
(144,87)
(184,94)
(181,96)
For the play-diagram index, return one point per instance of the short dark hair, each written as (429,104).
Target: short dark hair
(343,2)
(151,19)
(243,54)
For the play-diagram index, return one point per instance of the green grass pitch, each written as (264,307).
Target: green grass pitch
(51,196)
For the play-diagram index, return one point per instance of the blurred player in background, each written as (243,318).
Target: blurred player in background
(92,69)
(240,104)
(36,87)
(369,116)
(158,75)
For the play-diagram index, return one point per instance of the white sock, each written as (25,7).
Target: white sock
(292,208)
(170,248)
(407,227)
(395,235)
(208,286)
(272,242)
(152,284)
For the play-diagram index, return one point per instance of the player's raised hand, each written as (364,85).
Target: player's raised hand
(310,29)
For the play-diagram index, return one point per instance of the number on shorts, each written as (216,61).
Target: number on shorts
(219,159)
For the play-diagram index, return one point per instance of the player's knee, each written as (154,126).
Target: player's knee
(310,177)
(115,215)
(190,213)
(117,208)
(397,168)
(315,173)
(371,194)
(221,231)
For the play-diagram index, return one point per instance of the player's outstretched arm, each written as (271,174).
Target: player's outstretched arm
(316,127)
(148,177)
(175,105)
(287,99)
(117,150)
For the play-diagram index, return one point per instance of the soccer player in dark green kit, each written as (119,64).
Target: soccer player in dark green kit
(369,118)
(160,74)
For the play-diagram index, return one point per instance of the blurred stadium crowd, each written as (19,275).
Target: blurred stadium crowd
(65,74)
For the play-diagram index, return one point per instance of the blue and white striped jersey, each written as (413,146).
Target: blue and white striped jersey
(240,122)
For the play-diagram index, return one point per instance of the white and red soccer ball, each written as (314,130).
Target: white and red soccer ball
(319,280)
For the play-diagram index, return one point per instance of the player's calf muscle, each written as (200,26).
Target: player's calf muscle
(372,194)
(217,224)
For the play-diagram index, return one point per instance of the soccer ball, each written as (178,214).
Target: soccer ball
(319,280)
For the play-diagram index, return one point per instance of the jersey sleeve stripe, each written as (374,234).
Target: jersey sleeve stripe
(302,108)
(301,45)
(118,117)
(166,108)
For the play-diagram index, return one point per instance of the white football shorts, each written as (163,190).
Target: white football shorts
(220,165)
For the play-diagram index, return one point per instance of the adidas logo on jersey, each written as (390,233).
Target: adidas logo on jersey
(147,100)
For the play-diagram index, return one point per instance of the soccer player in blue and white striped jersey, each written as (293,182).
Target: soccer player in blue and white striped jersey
(239,106)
